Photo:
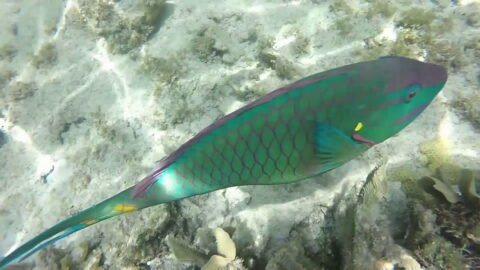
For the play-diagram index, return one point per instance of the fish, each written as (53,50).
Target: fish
(296,132)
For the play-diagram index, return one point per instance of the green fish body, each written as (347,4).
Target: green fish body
(298,131)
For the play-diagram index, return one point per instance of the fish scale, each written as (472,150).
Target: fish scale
(250,141)
(303,129)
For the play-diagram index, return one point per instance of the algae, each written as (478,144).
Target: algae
(162,70)
(291,256)
(6,75)
(7,52)
(344,26)
(45,55)
(436,153)
(445,25)
(123,31)
(204,47)
(469,108)
(20,90)
(426,222)
(301,44)
(384,8)
(417,17)
(448,239)
(341,6)
(101,125)
(446,53)
(284,68)
(473,18)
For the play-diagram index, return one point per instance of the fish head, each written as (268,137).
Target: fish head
(405,90)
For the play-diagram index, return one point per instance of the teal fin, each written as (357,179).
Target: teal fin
(333,148)
(113,206)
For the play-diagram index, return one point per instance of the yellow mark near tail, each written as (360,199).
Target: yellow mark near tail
(124,208)
(89,222)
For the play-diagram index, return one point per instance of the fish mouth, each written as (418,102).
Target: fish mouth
(359,138)
(412,114)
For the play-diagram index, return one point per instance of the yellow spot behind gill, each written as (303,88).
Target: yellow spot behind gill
(124,208)
(358,127)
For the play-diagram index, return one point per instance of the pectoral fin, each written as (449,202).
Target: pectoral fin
(332,148)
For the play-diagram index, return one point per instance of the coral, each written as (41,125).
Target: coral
(185,252)
(439,189)
(449,238)
(125,30)
(366,227)
(222,256)
(45,55)
(423,223)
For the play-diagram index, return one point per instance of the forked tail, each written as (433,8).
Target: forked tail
(114,206)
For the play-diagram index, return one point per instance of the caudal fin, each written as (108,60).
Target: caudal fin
(114,206)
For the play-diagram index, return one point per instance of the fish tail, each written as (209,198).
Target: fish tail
(114,206)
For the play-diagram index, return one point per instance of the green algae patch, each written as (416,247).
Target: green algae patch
(123,31)
(417,17)
(46,55)
(384,8)
(7,52)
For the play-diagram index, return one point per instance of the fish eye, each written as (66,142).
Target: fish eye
(411,95)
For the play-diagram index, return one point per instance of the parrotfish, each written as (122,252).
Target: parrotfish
(296,132)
